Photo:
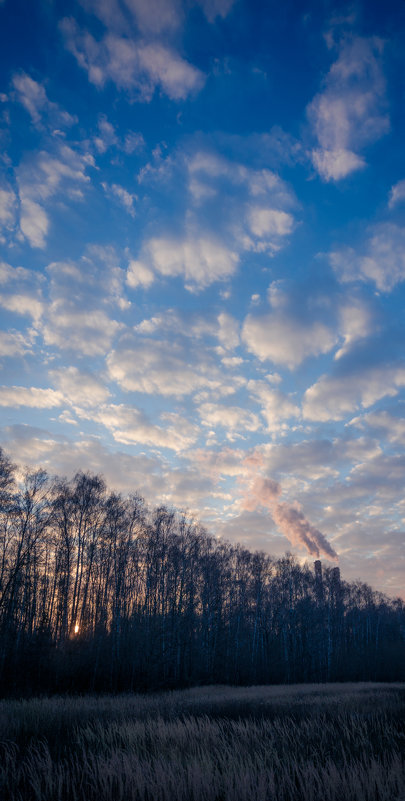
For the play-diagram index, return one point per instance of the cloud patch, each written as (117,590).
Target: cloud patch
(334,397)
(200,261)
(350,112)
(157,367)
(139,67)
(381,260)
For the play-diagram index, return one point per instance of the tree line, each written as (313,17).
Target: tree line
(98,592)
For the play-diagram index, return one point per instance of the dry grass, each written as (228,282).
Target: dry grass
(299,743)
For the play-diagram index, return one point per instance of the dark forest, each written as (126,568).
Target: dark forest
(100,593)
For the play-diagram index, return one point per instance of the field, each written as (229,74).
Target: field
(287,743)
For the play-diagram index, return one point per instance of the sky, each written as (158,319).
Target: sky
(202,264)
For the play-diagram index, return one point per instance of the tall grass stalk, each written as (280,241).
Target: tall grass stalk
(299,743)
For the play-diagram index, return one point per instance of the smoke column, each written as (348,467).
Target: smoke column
(288,517)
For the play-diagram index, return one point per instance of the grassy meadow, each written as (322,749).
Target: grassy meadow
(336,742)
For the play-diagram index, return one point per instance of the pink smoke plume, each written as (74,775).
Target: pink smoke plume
(287,517)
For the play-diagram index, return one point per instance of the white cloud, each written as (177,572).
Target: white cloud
(393,428)
(151,18)
(265,221)
(31,94)
(9,274)
(30,396)
(337,163)
(215,8)
(34,223)
(23,304)
(129,425)
(81,294)
(8,208)
(125,198)
(233,418)
(122,471)
(381,262)
(167,368)
(252,204)
(200,260)
(205,167)
(107,137)
(106,134)
(43,178)
(232,361)
(28,298)
(397,194)
(228,332)
(350,112)
(356,323)
(79,387)
(139,274)
(164,68)
(284,339)
(12,344)
(222,328)
(33,97)
(276,406)
(132,65)
(156,16)
(133,142)
(335,397)
(88,332)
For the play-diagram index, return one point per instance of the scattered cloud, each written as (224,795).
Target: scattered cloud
(125,198)
(63,170)
(334,397)
(228,331)
(215,8)
(8,210)
(276,406)
(385,424)
(380,261)
(140,67)
(154,18)
(257,212)
(397,194)
(270,222)
(34,222)
(129,426)
(23,304)
(21,291)
(356,323)
(285,340)
(157,367)
(32,95)
(30,396)
(350,112)
(79,387)
(12,344)
(122,471)
(139,274)
(200,261)
(233,418)
(81,331)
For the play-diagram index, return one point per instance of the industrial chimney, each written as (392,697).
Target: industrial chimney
(319,593)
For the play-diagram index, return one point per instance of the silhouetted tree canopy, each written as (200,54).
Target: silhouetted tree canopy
(99,592)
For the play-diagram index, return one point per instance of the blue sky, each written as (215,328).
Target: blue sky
(202,263)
